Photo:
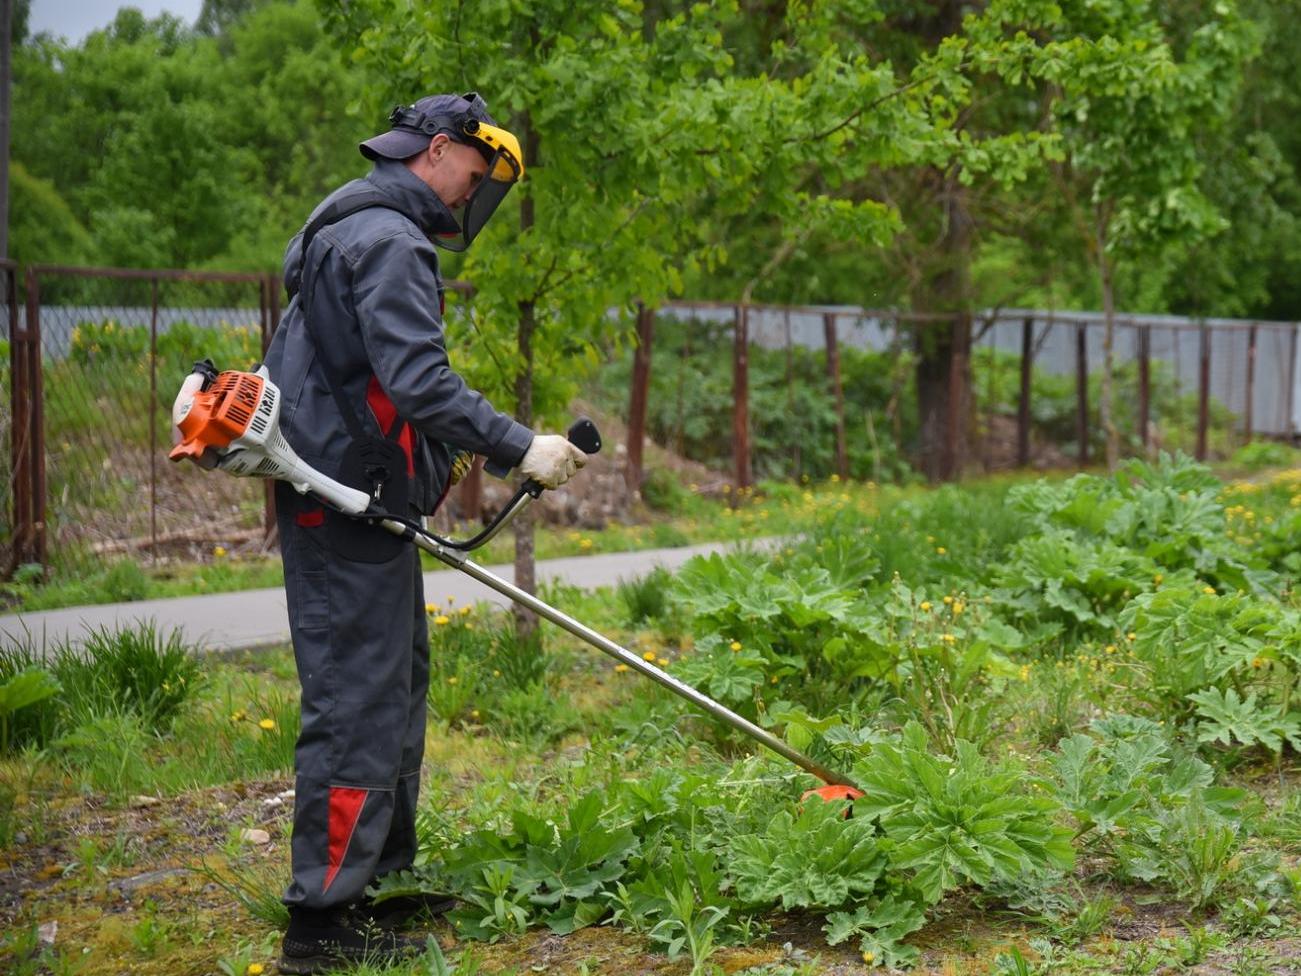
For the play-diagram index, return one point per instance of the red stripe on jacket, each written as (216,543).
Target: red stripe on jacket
(382,407)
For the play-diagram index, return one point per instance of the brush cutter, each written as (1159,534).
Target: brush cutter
(232,424)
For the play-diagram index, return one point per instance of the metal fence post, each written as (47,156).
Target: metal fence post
(1082,391)
(950,462)
(1023,404)
(153,423)
(469,498)
(1290,392)
(641,367)
(837,391)
(1145,385)
(20,439)
(35,547)
(1248,412)
(1203,389)
(741,396)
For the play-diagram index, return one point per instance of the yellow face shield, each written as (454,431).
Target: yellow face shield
(505,169)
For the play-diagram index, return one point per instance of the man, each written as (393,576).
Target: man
(370,398)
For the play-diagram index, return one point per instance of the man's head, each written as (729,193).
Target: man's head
(454,147)
(449,168)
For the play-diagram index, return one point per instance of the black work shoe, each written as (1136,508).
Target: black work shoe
(321,940)
(394,912)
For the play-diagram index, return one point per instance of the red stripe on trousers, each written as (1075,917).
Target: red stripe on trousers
(345,810)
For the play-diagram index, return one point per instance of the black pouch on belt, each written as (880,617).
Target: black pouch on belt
(377,466)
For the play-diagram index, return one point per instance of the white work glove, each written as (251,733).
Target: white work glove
(551,460)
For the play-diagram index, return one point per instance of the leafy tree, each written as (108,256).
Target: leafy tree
(217,17)
(43,227)
(631,128)
(1132,123)
(177,149)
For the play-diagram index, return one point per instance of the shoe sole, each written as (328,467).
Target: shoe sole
(308,965)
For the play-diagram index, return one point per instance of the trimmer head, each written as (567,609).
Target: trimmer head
(833,793)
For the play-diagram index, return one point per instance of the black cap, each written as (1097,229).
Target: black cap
(416,125)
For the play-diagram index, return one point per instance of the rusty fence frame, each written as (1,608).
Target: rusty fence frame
(27,489)
(27,399)
(960,351)
(28,484)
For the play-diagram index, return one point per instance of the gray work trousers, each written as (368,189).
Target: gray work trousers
(361,644)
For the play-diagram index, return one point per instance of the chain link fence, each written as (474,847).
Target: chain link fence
(96,358)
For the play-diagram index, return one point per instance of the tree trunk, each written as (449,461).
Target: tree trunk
(943,366)
(942,347)
(525,565)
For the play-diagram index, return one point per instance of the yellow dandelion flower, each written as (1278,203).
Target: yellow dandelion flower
(1157,579)
(621,668)
(431,608)
(869,956)
(663,662)
(219,551)
(948,638)
(254,969)
(941,550)
(465,611)
(1131,636)
(926,604)
(267,723)
(648,656)
(452,680)
(441,620)
(735,645)
(1208,590)
(239,716)
(1110,648)
(474,713)
(958,607)
(772,680)
(496,672)
(948,600)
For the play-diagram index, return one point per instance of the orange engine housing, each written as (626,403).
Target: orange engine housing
(219,415)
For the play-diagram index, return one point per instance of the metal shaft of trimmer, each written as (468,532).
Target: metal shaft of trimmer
(459,560)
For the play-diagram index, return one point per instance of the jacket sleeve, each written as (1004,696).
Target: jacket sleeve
(395,295)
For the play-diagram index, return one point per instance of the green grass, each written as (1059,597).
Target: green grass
(908,639)
(771,509)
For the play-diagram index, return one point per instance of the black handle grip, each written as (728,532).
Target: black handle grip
(584,435)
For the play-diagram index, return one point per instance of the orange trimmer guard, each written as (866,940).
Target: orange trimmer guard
(832,793)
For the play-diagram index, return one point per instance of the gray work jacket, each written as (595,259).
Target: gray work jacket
(378,297)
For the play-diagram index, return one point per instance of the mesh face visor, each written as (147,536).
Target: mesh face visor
(503,173)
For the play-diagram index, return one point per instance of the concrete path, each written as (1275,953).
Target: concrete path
(255,618)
